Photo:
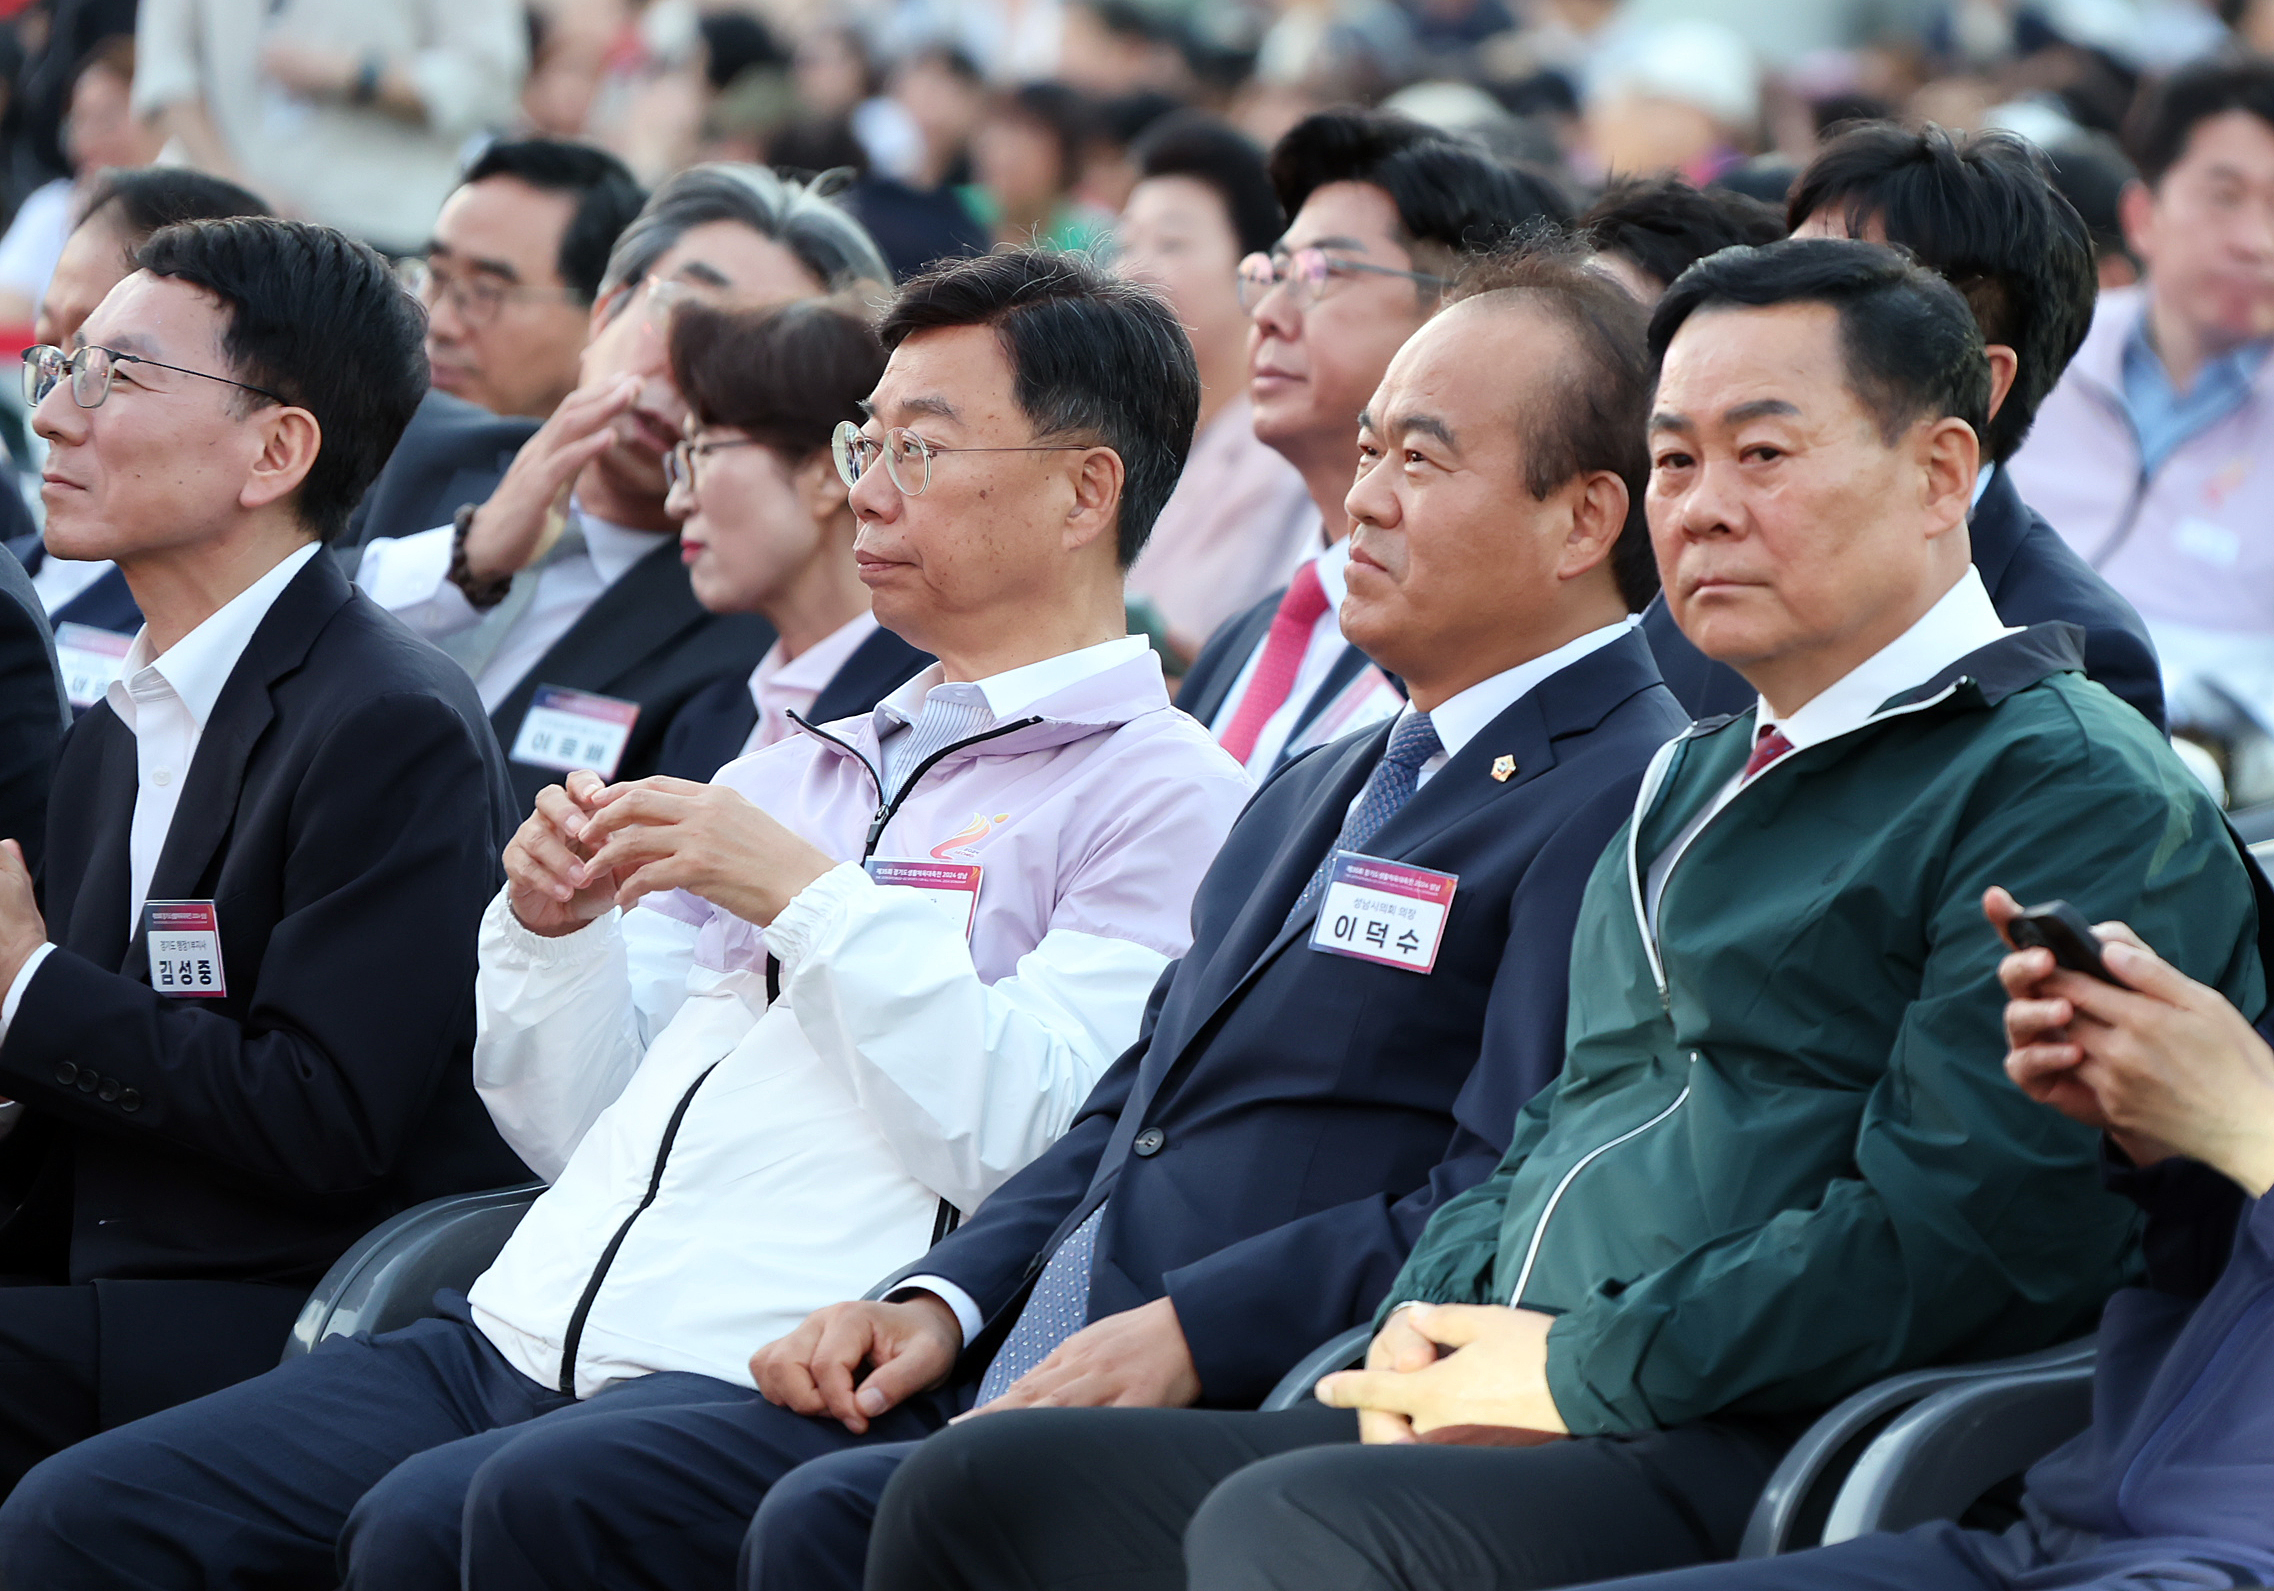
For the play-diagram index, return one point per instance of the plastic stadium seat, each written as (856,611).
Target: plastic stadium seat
(390,1276)
(1345,1352)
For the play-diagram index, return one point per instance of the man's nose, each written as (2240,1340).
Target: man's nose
(874,496)
(1275,315)
(58,419)
(1713,505)
(1371,500)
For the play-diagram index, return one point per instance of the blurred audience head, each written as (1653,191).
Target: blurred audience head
(100,130)
(736,236)
(1813,442)
(1982,212)
(2092,173)
(762,510)
(1086,378)
(514,265)
(1381,212)
(1676,95)
(298,363)
(1028,150)
(1203,201)
(1498,504)
(2202,224)
(1646,231)
(121,212)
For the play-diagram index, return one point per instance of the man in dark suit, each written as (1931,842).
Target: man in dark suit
(1983,213)
(452,453)
(1247,1178)
(33,713)
(238,1019)
(1384,210)
(562,593)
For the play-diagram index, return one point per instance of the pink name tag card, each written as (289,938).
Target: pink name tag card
(565,730)
(952,887)
(184,937)
(90,660)
(1383,911)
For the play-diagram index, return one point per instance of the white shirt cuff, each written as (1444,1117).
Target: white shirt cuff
(16,990)
(813,910)
(409,576)
(966,1309)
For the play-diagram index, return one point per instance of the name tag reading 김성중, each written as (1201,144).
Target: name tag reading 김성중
(565,730)
(1383,911)
(184,937)
(952,887)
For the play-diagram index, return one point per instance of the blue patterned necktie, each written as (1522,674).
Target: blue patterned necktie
(1388,788)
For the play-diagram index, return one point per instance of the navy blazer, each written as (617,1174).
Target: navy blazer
(345,811)
(2032,575)
(451,454)
(708,732)
(1217,669)
(1288,1119)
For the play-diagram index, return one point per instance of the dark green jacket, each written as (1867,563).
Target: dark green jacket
(1790,1162)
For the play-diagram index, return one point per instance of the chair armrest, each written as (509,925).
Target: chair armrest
(1337,1353)
(1936,1458)
(389,1276)
(1796,1503)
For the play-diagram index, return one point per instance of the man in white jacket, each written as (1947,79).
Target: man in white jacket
(767,1037)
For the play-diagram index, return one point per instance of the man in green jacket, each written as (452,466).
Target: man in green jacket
(1783,1159)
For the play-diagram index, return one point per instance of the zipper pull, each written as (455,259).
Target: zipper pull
(876,829)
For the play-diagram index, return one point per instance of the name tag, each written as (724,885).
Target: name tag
(184,937)
(951,887)
(1383,911)
(90,659)
(565,730)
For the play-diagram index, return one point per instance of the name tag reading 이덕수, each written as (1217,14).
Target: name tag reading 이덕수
(565,730)
(90,659)
(1383,911)
(952,887)
(184,937)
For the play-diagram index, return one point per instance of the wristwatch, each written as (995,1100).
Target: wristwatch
(482,594)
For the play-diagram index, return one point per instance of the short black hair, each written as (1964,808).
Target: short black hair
(2092,173)
(143,199)
(1984,213)
(1200,146)
(320,321)
(1663,226)
(2166,116)
(1068,115)
(607,197)
(1092,356)
(1912,348)
(786,374)
(1593,410)
(1452,198)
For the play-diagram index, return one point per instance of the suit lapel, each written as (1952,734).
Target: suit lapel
(877,665)
(95,921)
(644,612)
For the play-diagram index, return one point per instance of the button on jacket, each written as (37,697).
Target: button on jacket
(1783,1158)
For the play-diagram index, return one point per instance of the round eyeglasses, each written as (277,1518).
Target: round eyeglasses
(1305,274)
(91,369)
(908,457)
(681,463)
(477,299)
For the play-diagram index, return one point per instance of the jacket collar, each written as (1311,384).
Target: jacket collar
(1996,528)
(1988,675)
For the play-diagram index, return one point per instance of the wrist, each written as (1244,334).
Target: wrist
(482,586)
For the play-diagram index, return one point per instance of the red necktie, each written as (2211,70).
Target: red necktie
(1768,745)
(1282,659)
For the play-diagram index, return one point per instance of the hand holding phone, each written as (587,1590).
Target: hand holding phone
(2061,928)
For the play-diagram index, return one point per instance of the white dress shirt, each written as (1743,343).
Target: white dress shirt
(1326,645)
(1962,621)
(409,576)
(781,686)
(164,701)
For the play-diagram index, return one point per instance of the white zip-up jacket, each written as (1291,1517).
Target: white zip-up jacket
(721,1166)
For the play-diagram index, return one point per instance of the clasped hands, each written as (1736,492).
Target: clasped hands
(1437,1365)
(590,846)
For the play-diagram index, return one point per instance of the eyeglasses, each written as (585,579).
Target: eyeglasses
(908,456)
(680,463)
(90,370)
(477,299)
(1305,273)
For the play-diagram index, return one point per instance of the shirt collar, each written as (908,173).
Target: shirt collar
(1962,621)
(1012,691)
(1461,717)
(613,548)
(2233,369)
(196,667)
(812,669)
(1982,478)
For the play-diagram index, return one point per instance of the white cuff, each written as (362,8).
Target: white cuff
(966,1309)
(504,932)
(812,911)
(409,576)
(16,990)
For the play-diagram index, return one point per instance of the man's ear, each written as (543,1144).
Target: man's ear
(1950,460)
(290,439)
(2135,212)
(1098,478)
(2005,364)
(1598,514)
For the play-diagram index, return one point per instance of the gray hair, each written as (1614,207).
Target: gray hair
(797,215)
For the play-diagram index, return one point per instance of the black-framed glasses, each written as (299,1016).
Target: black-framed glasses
(908,456)
(681,463)
(1305,274)
(478,299)
(90,370)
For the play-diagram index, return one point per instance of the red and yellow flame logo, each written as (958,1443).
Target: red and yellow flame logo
(969,835)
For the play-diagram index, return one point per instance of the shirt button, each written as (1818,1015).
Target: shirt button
(162,777)
(1149,1142)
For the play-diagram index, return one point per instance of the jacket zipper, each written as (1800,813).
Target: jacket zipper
(1540,1228)
(2113,401)
(575,1334)
(887,810)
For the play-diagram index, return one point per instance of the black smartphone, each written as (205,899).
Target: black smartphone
(2062,929)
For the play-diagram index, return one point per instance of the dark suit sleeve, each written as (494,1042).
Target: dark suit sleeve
(31,719)
(363,993)
(1250,1311)
(2126,663)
